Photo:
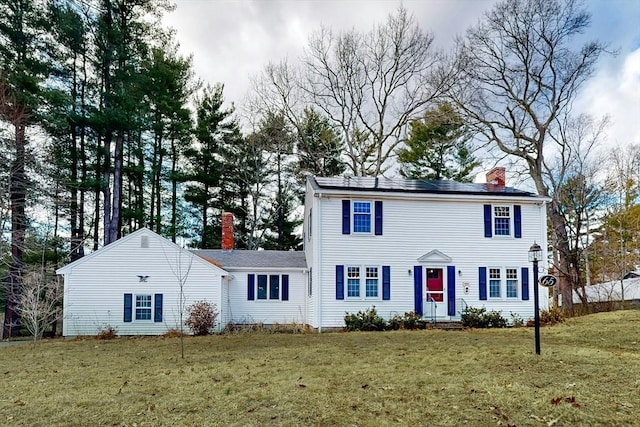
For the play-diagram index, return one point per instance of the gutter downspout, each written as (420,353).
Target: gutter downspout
(318,268)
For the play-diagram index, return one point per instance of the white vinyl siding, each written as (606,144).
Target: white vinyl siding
(414,227)
(95,286)
(268,311)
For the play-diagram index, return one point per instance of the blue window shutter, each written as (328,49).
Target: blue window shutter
(285,287)
(251,287)
(451,289)
(482,280)
(128,305)
(487,221)
(378,214)
(386,282)
(517,221)
(346,216)
(339,281)
(525,283)
(157,308)
(417,288)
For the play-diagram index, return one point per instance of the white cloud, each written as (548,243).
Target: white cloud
(615,91)
(232,40)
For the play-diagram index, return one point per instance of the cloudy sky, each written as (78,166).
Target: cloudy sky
(232,40)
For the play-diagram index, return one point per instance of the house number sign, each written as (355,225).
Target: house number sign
(548,281)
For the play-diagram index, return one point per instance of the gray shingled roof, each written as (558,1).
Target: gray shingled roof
(254,259)
(413,186)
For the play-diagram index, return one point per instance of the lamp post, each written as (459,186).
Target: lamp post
(535,255)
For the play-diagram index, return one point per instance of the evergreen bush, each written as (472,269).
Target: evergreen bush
(367,320)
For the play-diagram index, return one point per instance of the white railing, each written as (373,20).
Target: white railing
(430,309)
(461,305)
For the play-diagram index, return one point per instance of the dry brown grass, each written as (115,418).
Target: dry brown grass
(587,375)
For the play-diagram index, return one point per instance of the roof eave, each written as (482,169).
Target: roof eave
(435,195)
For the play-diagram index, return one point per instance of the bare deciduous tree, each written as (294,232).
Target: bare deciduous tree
(518,73)
(180,263)
(38,303)
(370,85)
(373,84)
(572,168)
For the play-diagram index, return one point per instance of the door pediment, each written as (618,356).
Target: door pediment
(435,256)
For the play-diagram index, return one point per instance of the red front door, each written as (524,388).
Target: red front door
(435,288)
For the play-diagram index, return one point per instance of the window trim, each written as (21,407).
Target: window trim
(490,279)
(268,290)
(136,307)
(494,217)
(359,277)
(377,279)
(518,284)
(503,283)
(266,287)
(362,282)
(371,217)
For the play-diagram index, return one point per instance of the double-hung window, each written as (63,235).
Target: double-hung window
(512,282)
(361,217)
(353,282)
(502,220)
(495,283)
(143,307)
(371,284)
(503,282)
(359,282)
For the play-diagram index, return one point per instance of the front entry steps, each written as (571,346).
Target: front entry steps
(448,325)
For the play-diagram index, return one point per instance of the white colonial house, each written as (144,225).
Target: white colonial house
(432,247)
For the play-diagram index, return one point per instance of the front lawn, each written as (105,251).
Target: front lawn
(587,375)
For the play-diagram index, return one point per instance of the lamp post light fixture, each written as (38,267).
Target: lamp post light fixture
(535,256)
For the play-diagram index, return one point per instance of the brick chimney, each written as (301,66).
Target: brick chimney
(496,176)
(227,231)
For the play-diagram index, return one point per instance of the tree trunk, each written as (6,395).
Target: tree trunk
(564,267)
(174,190)
(158,185)
(106,189)
(116,206)
(17,197)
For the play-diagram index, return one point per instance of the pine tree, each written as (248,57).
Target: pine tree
(25,64)
(214,128)
(319,148)
(438,148)
(277,139)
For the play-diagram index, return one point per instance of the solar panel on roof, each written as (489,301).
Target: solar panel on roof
(415,186)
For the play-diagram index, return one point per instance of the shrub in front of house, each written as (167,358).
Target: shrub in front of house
(201,317)
(410,320)
(106,332)
(367,320)
(551,317)
(481,318)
